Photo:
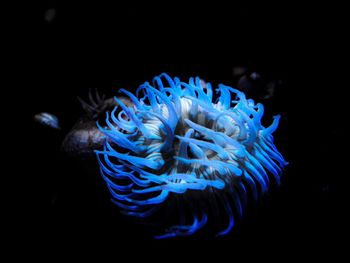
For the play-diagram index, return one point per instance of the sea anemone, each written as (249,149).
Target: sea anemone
(183,149)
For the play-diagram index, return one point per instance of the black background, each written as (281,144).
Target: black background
(120,45)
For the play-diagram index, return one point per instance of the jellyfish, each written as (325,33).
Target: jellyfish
(187,154)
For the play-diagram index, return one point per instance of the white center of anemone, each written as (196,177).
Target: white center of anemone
(197,153)
(202,117)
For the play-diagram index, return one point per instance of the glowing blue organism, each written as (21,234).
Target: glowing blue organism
(184,149)
(48,120)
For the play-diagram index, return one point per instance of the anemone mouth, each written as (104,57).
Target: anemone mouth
(176,142)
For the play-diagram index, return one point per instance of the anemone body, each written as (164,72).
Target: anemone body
(184,147)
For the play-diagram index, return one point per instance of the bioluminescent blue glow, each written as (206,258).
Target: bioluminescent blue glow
(184,149)
(48,120)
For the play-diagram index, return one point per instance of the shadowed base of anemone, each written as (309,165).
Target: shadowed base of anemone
(179,149)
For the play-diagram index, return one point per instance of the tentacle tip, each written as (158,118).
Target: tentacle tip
(277,116)
(164,236)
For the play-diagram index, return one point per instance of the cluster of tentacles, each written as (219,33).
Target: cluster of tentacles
(183,147)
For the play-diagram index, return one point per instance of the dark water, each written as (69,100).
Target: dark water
(82,46)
